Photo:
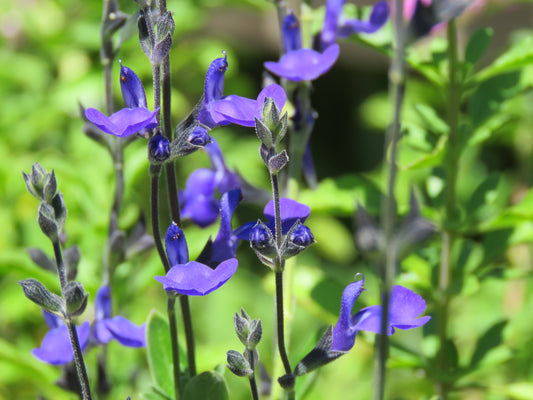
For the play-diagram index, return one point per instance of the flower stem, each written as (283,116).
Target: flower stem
(154,206)
(173,199)
(448,236)
(73,334)
(253,384)
(388,270)
(280,263)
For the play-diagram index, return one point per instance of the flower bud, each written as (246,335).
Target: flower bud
(165,30)
(278,162)
(252,356)
(297,240)
(199,137)
(242,324)
(158,148)
(262,240)
(263,133)
(76,298)
(49,187)
(47,221)
(35,180)
(238,364)
(40,295)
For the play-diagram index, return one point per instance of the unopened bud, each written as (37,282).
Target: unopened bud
(238,364)
(262,240)
(158,148)
(297,240)
(76,298)
(40,295)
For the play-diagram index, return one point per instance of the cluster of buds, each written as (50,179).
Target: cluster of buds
(52,211)
(51,218)
(263,242)
(271,130)
(249,333)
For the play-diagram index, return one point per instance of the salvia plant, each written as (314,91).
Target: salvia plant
(426,232)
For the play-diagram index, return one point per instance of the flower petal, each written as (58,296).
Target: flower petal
(102,303)
(56,349)
(304,64)
(124,122)
(331,20)
(132,88)
(126,332)
(290,212)
(176,245)
(378,18)
(225,244)
(234,109)
(196,279)
(276,92)
(345,332)
(405,307)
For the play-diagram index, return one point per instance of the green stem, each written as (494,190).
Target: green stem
(280,264)
(73,334)
(448,236)
(173,200)
(388,270)
(253,384)
(154,206)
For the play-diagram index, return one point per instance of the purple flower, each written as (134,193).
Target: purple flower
(290,212)
(56,348)
(304,64)
(243,111)
(299,64)
(198,200)
(126,121)
(226,242)
(106,328)
(405,307)
(213,89)
(337,27)
(290,33)
(191,277)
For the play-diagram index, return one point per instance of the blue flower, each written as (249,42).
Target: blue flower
(213,90)
(198,200)
(336,26)
(243,111)
(300,64)
(405,307)
(106,328)
(126,121)
(56,348)
(290,212)
(192,277)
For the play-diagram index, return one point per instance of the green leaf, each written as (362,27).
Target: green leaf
(478,45)
(519,55)
(487,100)
(483,195)
(491,339)
(159,353)
(208,385)
(431,118)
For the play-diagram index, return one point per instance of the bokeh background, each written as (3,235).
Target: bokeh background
(50,64)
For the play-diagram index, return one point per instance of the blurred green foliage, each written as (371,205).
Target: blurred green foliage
(49,62)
